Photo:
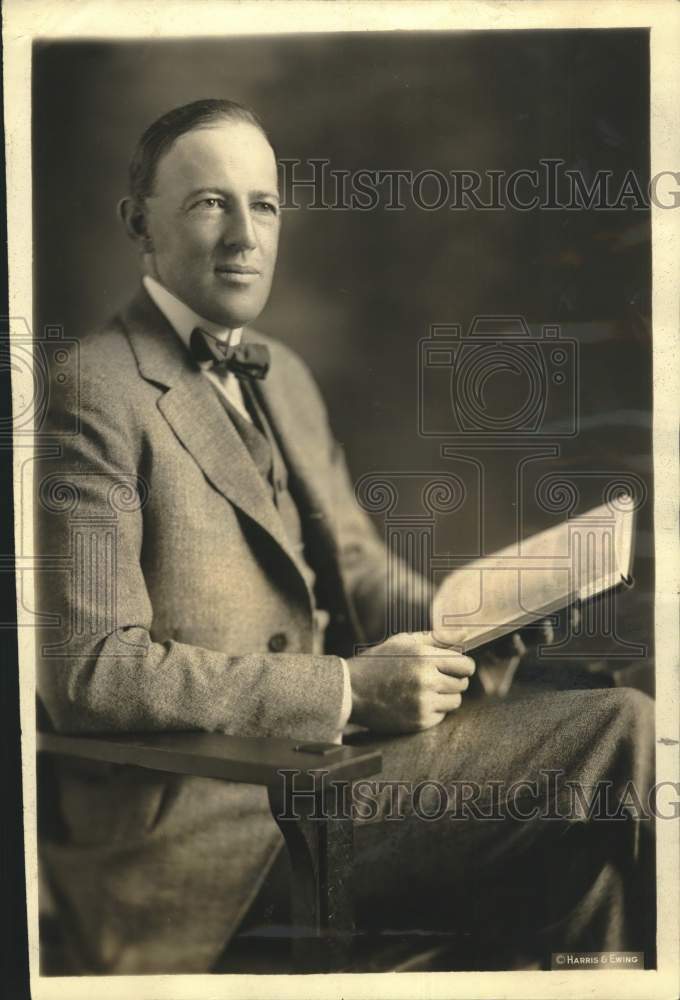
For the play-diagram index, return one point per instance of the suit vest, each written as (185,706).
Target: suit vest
(262,446)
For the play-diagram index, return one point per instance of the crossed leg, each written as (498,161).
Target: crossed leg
(520,866)
(499,872)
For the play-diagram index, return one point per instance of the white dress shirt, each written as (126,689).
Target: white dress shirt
(184,321)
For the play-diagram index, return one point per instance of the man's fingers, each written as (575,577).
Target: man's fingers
(423,645)
(542,633)
(548,632)
(422,638)
(445,684)
(456,665)
(428,641)
(448,702)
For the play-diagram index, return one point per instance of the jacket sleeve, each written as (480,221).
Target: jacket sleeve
(99,669)
(387,594)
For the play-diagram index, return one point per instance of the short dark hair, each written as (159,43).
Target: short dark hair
(160,135)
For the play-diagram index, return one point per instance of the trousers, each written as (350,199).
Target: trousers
(514,827)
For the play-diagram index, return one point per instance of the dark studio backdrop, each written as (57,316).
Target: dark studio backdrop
(356,291)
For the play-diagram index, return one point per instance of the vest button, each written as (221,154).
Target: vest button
(278,642)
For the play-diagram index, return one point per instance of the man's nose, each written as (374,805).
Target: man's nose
(239,233)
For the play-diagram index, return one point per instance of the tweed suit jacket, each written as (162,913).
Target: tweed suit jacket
(170,572)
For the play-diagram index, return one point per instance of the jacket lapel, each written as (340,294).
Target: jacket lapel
(280,406)
(193,410)
(313,494)
(314,499)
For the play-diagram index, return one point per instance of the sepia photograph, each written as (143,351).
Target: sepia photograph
(343,422)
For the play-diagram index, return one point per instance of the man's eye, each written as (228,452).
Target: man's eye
(267,207)
(211,203)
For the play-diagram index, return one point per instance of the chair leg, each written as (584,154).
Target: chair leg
(320,843)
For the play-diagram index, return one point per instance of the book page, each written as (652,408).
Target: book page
(519,584)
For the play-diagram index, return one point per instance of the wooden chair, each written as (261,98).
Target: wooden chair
(320,849)
(318,838)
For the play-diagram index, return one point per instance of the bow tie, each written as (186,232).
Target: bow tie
(244,360)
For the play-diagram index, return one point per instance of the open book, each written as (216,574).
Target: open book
(578,559)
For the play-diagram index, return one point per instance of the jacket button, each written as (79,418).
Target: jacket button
(278,642)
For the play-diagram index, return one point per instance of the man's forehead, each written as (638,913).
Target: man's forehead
(224,152)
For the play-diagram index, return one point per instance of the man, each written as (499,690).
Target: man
(223,577)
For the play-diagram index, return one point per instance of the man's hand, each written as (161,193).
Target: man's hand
(407,684)
(518,644)
(498,662)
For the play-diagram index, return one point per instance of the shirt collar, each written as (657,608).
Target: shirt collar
(182,318)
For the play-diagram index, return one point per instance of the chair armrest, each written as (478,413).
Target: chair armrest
(320,846)
(253,760)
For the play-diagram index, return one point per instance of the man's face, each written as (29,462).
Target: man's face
(213,220)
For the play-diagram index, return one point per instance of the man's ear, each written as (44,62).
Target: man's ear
(133,217)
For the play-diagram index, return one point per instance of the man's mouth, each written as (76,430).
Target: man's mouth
(236,269)
(237,274)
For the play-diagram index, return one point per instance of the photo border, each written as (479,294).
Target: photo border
(28,20)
